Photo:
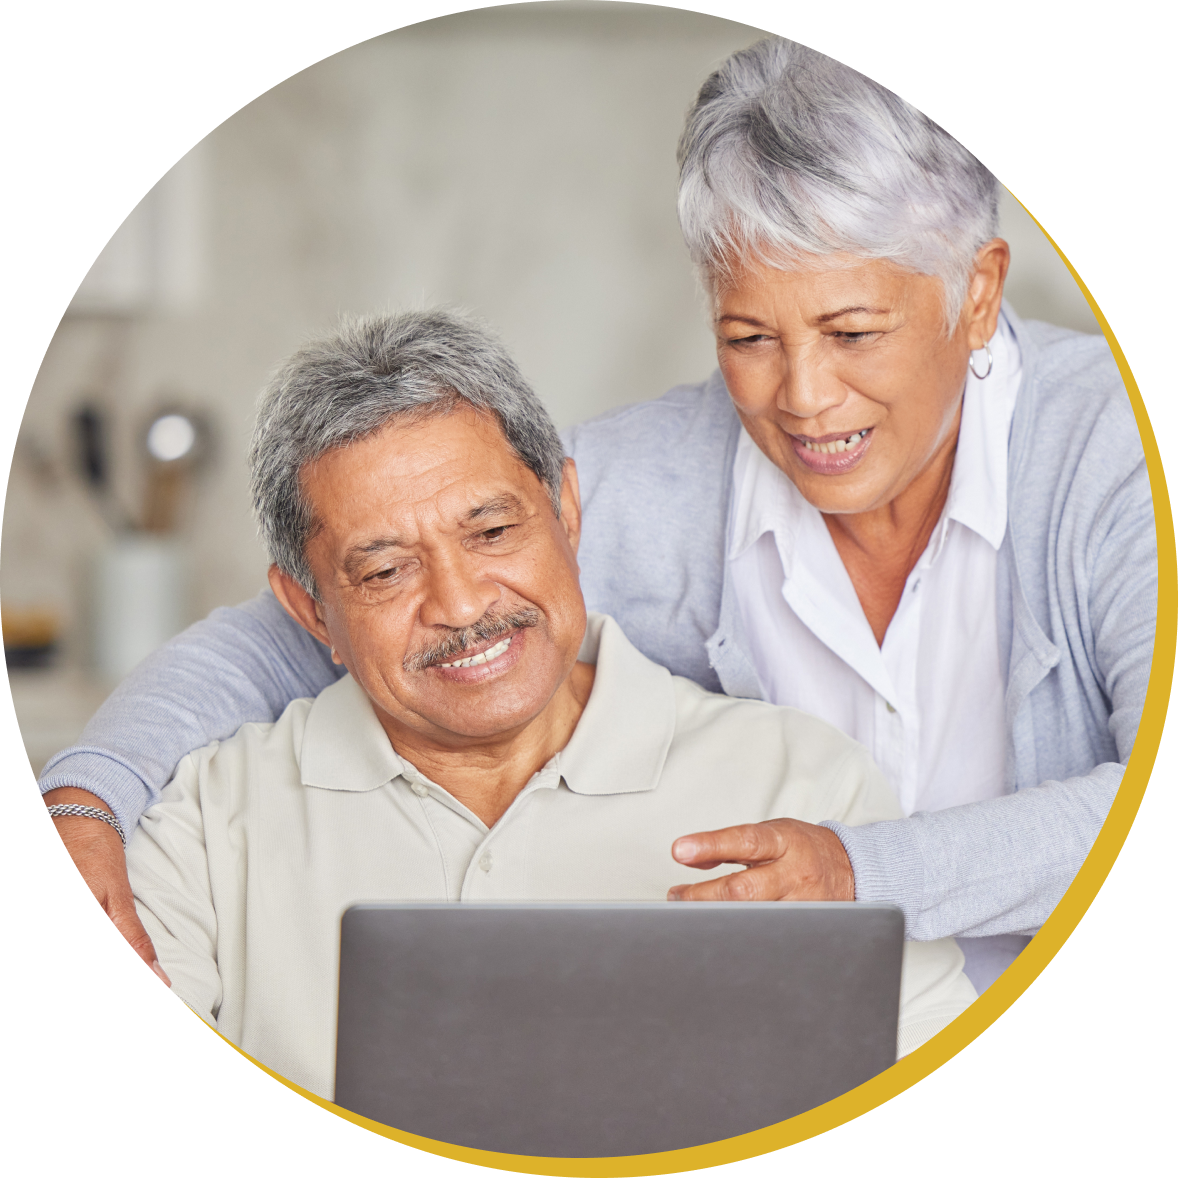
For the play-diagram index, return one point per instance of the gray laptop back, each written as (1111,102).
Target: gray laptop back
(597,1030)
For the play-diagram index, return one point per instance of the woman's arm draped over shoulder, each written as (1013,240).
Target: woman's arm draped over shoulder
(1001,866)
(240,665)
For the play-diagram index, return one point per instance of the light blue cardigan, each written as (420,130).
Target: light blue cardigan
(1077,604)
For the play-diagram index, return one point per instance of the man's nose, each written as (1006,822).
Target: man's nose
(806,387)
(458,593)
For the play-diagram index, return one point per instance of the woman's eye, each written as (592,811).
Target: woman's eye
(854,337)
(748,340)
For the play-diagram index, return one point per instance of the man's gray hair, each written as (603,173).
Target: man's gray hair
(787,152)
(365,375)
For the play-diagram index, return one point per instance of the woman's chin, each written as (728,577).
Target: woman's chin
(850,494)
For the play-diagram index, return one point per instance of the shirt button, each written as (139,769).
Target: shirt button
(485,862)
(422,791)
(891,710)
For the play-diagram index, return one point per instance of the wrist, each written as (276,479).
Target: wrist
(69,795)
(840,870)
(81,817)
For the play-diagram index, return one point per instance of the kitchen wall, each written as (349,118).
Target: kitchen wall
(518,162)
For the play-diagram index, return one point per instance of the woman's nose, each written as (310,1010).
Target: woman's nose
(457,593)
(806,388)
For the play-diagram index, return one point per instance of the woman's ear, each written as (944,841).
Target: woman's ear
(991,263)
(298,603)
(570,503)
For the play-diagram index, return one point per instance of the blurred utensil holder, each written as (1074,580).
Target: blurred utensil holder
(140,599)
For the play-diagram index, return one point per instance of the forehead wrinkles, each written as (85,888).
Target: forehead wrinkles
(461,500)
(425,478)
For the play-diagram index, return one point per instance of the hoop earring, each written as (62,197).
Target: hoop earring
(989,362)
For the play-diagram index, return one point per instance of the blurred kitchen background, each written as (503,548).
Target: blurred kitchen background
(519,162)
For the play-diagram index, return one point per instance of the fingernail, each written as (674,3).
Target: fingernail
(673,894)
(159,973)
(684,849)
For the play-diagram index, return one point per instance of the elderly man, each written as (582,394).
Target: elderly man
(489,740)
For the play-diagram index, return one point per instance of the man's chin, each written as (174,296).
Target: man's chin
(485,701)
(457,726)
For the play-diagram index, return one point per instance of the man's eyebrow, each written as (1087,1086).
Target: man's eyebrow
(358,553)
(850,311)
(500,505)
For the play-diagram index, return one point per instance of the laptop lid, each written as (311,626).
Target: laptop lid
(607,1029)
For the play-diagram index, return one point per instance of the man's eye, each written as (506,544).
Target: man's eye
(495,533)
(383,575)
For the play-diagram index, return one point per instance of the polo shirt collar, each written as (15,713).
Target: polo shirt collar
(619,745)
(621,742)
(344,745)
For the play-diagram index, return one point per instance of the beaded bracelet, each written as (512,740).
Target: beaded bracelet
(75,811)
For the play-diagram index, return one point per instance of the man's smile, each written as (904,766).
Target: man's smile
(460,646)
(486,656)
(494,660)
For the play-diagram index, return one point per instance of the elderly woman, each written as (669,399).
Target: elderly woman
(894,505)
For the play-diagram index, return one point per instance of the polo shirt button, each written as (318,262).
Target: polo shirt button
(485,862)
(422,791)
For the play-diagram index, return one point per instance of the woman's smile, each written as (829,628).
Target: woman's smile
(833,453)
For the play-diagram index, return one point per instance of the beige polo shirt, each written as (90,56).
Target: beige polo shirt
(242,871)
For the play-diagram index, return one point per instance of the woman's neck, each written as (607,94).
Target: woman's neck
(879,548)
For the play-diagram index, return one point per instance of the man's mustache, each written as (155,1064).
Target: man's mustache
(488,628)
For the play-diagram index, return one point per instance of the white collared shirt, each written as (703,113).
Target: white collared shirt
(928,703)
(243,868)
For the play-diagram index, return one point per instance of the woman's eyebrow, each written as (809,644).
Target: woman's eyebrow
(850,311)
(741,319)
(825,318)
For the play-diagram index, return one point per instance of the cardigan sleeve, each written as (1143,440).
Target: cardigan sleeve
(238,665)
(1002,865)
(985,868)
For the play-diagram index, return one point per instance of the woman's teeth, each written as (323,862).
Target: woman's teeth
(838,446)
(486,656)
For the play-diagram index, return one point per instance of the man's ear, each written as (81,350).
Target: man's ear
(298,603)
(570,503)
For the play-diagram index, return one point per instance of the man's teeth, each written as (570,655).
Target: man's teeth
(486,656)
(837,447)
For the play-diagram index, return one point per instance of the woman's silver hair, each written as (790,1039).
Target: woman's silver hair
(787,152)
(371,372)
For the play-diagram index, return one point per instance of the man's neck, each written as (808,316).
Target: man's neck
(487,775)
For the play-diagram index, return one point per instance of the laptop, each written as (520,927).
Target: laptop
(607,1029)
